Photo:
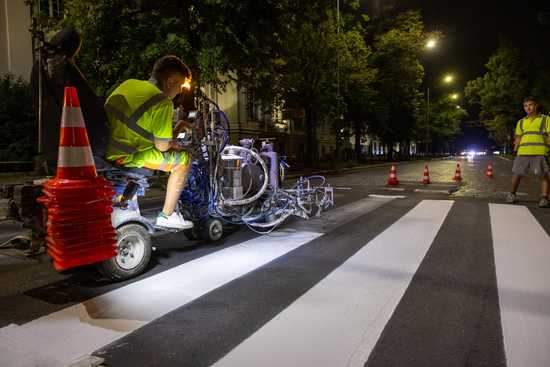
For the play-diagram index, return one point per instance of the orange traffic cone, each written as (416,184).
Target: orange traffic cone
(489,172)
(393,181)
(426,177)
(458,176)
(75,155)
(79,203)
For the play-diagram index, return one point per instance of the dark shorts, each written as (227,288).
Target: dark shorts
(536,163)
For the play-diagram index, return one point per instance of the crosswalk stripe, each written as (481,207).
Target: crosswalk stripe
(75,332)
(522,254)
(338,321)
(80,329)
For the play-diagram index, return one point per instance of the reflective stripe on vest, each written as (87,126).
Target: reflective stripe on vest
(131,121)
(122,147)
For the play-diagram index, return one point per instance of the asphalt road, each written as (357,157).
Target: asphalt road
(412,275)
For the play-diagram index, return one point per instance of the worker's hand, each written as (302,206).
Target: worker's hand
(182,125)
(175,145)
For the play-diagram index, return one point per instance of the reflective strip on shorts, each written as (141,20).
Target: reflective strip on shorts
(177,161)
(165,161)
(75,157)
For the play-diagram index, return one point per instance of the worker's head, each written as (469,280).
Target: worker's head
(67,41)
(171,73)
(530,105)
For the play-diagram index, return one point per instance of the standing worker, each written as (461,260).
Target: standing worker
(140,113)
(531,144)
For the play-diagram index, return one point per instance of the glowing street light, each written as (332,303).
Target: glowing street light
(431,43)
(449,78)
(454,96)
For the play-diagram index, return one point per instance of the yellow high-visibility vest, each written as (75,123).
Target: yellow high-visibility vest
(534,133)
(138,114)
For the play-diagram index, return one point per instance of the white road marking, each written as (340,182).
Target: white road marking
(338,321)
(506,159)
(393,188)
(522,255)
(387,196)
(428,191)
(70,334)
(80,329)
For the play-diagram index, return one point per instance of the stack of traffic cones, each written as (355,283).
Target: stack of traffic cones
(426,177)
(393,181)
(79,228)
(458,176)
(489,172)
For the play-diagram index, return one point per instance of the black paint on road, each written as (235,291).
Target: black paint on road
(449,315)
(202,332)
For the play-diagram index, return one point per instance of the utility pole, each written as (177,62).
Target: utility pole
(427,120)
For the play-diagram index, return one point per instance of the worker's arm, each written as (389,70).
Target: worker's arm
(165,145)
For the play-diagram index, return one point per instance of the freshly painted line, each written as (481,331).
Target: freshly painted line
(387,196)
(337,322)
(432,191)
(65,336)
(522,252)
(506,159)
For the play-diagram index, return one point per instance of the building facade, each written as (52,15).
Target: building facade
(16,55)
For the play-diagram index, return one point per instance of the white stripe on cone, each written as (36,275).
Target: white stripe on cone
(72,117)
(75,157)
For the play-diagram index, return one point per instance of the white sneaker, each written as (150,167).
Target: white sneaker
(174,221)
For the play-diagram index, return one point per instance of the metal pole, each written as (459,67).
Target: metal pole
(427,120)
(40,82)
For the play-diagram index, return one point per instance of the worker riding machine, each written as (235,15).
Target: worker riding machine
(228,185)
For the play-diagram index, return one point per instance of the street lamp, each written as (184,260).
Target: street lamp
(454,96)
(448,79)
(431,43)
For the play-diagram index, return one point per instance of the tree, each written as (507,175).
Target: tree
(500,92)
(445,119)
(123,38)
(399,77)
(315,50)
(17,120)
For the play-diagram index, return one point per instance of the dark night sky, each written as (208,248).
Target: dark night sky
(472,29)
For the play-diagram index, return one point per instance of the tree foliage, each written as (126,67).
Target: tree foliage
(399,77)
(341,70)
(16,120)
(500,92)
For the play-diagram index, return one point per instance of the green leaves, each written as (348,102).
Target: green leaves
(500,92)
(17,120)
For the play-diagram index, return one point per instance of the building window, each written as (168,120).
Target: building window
(251,107)
(52,8)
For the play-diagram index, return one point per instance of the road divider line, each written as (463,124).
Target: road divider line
(522,252)
(427,191)
(387,196)
(338,321)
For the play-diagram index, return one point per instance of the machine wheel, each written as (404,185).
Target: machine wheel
(192,234)
(212,230)
(134,253)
